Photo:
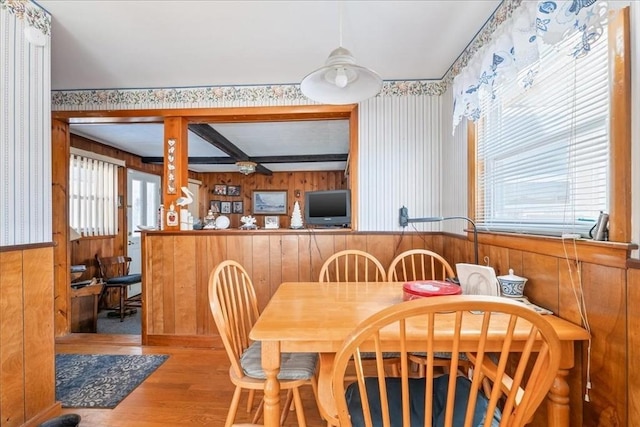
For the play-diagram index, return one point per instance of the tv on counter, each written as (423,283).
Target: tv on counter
(328,208)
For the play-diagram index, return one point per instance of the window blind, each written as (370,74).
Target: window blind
(543,152)
(93,196)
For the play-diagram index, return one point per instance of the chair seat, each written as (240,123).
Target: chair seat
(293,366)
(129,279)
(385,354)
(417,398)
(440,355)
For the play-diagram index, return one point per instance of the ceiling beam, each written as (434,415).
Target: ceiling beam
(304,158)
(216,139)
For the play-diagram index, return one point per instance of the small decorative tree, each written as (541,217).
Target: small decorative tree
(296,216)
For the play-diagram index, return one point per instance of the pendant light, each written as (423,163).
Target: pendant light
(341,81)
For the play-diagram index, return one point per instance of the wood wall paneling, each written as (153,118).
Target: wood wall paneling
(178,265)
(176,130)
(605,296)
(12,363)
(39,356)
(60,225)
(291,182)
(633,346)
(620,125)
(272,257)
(27,376)
(185,292)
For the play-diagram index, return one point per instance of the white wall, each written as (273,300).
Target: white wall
(399,160)
(25,123)
(453,169)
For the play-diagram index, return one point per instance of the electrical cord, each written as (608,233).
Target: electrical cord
(582,306)
(576,287)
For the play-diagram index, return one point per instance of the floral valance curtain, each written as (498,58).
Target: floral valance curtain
(516,46)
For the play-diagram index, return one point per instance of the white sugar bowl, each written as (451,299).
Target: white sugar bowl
(511,285)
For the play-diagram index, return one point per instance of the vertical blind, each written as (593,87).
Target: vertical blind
(93,196)
(543,152)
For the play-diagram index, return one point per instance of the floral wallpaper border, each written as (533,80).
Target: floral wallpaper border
(219,94)
(34,15)
(215,95)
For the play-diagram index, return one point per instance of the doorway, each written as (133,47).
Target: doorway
(143,194)
(143,201)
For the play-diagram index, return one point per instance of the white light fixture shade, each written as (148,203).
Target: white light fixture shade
(341,81)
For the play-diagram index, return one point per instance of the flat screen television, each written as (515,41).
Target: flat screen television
(328,208)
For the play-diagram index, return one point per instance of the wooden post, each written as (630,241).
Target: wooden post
(175,173)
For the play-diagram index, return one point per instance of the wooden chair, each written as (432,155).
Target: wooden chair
(419,264)
(352,265)
(114,271)
(507,387)
(234,306)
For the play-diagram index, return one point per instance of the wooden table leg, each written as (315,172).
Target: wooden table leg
(558,401)
(271,366)
(558,410)
(325,393)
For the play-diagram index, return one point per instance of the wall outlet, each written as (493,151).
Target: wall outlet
(404,217)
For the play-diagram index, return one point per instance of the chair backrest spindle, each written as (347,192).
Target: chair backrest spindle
(419,264)
(234,306)
(352,265)
(514,355)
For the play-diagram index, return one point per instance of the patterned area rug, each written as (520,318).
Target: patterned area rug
(101,381)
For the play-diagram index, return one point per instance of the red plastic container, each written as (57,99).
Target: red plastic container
(429,288)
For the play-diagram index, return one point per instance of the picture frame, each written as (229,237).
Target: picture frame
(237,207)
(268,202)
(233,190)
(220,189)
(214,205)
(225,207)
(272,221)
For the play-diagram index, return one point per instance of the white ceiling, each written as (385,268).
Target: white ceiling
(254,139)
(103,44)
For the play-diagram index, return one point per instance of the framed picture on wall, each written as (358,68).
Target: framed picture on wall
(233,190)
(220,189)
(272,221)
(225,207)
(237,208)
(214,205)
(269,202)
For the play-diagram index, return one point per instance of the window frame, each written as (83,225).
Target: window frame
(620,134)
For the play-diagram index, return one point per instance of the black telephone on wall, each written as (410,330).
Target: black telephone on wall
(600,230)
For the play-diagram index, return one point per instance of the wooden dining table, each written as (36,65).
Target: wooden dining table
(317,317)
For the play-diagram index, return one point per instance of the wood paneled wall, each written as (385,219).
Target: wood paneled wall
(177,266)
(598,273)
(294,183)
(83,251)
(633,346)
(27,377)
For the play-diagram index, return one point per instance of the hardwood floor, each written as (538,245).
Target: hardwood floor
(192,388)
